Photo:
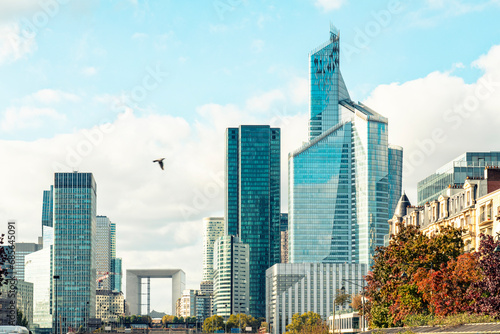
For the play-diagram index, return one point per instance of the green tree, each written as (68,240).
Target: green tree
(167,319)
(392,295)
(213,323)
(304,323)
(21,319)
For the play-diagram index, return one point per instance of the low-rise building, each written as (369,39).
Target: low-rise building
(471,207)
(302,287)
(110,305)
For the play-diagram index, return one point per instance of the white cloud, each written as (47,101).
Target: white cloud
(14,43)
(329,5)
(438,10)
(89,71)
(264,102)
(438,117)
(27,117)
(52,96)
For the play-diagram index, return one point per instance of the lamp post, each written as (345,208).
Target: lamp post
(55,277)
(362,297)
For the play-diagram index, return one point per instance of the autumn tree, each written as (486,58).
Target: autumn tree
(392,290)
(445,289)
(484,294)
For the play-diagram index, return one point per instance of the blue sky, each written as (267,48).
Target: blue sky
(108,86)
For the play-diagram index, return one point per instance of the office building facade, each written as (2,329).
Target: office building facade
(231,276)
(469,164)
(103,253)
(302,287)
(253,201)
(339,193)
(38,270)
(23,249)
(47,207)
(74,258)
(213,228)
(110,305)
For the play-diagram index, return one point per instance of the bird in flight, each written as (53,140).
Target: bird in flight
(160,162)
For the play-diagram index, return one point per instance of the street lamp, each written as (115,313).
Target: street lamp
(362,297)
(55,277)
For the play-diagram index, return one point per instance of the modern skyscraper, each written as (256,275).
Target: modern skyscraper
(253,201)
(38,270)
(468,164)
(23,249)
(213,228)
(74,255)
(231,276)
(47,208)
(116,278)
(339,194)
(103,253)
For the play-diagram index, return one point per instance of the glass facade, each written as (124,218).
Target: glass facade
(116,278)
(47,207)
(469,164)
(74,248)
(38,270)
(339,192)
(103,253)
(23,249)
(253,200)
(327,86)
(395,176)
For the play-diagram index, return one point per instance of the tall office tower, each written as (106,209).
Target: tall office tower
(74,249)
(231,276)
(116,278)
(395,179)
(327,86)
(468,164)
(23,249)
(47,207)
(253,201)
(38,270)
(103,253)
(213,228)
(113,240)
(339,194)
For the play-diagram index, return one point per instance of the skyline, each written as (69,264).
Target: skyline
(226,67)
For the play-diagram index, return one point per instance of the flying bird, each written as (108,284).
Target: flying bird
(160,162)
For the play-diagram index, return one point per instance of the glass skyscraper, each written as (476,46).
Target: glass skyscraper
(74,249)
(340,198)
(38,271)
(253,201)
(103,253)
(469,164)
(47,208)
